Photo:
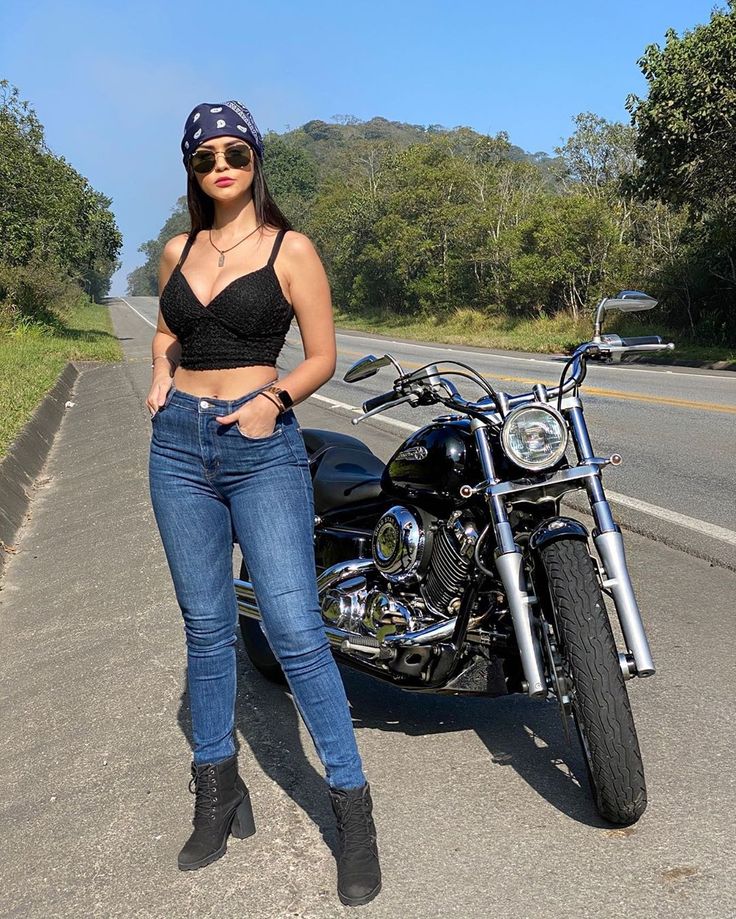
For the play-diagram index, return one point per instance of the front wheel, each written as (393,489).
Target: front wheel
(598,699)
(256,644)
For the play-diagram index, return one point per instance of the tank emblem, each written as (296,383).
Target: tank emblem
(413,453)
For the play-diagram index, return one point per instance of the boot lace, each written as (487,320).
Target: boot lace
(203,784)
(354,823)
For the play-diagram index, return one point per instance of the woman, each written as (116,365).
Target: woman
(227,455)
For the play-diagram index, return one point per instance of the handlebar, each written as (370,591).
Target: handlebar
(642,340)
(488,406)
(378,401)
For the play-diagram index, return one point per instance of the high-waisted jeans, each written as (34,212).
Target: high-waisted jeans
(208,480)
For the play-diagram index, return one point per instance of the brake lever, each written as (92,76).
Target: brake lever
(380,408)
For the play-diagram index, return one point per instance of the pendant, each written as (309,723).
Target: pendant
(221,260)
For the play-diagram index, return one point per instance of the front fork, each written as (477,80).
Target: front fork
(608,542)
(610,545)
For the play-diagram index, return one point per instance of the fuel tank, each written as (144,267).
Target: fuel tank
(434,461)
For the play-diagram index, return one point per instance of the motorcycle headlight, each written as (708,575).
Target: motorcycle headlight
(534,436)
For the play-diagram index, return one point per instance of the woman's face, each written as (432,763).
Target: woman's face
(225,182)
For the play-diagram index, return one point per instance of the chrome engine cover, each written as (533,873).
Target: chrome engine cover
(385,615)
(354,606)
(343,605)
(402,543)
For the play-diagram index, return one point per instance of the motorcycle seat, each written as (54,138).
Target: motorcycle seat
(346,475)
(317,440)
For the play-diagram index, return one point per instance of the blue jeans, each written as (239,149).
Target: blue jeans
(208,479)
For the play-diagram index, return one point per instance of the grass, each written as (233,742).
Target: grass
(33,354)
(545,335)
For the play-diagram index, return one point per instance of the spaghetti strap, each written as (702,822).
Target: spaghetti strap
(276,247)
(185,250)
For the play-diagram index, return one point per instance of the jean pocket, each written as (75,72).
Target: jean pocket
(167,399)
(277,432)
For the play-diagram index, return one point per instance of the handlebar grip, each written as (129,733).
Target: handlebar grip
(370,404)
(642,340)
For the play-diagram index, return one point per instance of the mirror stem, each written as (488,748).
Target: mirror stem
(599,314)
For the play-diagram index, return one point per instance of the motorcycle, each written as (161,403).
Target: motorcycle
(450,568)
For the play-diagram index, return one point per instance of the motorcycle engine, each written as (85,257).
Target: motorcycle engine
(423,564)
(426,560)
(452,553)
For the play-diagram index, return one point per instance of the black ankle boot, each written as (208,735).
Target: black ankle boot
(358,871)
(221,805)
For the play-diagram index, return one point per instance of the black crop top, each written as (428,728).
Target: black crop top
(245,323)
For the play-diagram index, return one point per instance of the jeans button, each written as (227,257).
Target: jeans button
(204,404)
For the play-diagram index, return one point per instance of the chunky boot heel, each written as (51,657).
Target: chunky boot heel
(243,823)
(358,869)
(221,805)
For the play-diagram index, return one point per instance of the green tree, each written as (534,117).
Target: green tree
(687,149)
(685,125)
(55,229)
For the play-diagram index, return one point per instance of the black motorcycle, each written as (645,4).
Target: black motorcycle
(450,568)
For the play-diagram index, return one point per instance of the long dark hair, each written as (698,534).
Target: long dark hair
(202,207)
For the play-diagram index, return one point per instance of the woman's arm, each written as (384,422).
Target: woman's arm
(309,292)
(164,343)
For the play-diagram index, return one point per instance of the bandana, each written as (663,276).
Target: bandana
(210,120)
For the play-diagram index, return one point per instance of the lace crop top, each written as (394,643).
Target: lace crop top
(245,323)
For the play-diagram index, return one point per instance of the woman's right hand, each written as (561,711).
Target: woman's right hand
(158,392)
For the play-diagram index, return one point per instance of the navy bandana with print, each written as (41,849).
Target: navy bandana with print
(210,120)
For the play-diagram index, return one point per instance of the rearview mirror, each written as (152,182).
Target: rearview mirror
(366,367)
(628,301)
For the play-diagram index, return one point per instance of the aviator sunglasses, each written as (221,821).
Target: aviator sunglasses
(237,156)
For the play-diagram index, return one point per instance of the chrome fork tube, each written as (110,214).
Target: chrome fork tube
(610,545)
(509,563)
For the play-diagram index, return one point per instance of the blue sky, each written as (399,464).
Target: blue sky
(112,83)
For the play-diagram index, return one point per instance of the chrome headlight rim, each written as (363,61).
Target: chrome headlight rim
(518,460)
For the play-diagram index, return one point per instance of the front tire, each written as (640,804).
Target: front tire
(599,701)
(256,644)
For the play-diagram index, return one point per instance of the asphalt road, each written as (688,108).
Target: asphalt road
(481,807)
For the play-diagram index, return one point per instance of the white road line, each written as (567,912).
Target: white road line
(351,408)
(691,523)
(457,350)
(663,513)
(152,324)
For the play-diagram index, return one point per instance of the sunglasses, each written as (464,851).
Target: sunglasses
(237,156)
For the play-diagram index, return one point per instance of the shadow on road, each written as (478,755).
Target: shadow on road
(519,733)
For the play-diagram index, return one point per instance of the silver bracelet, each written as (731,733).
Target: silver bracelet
(153,362)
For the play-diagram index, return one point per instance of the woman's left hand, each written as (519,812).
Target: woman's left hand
(257,418)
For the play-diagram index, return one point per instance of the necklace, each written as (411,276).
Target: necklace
(221,260)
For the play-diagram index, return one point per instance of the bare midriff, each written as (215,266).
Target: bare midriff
(231,383)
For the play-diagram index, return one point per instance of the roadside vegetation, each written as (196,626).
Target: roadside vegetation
(58,248)
(546,335)
(34,352)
